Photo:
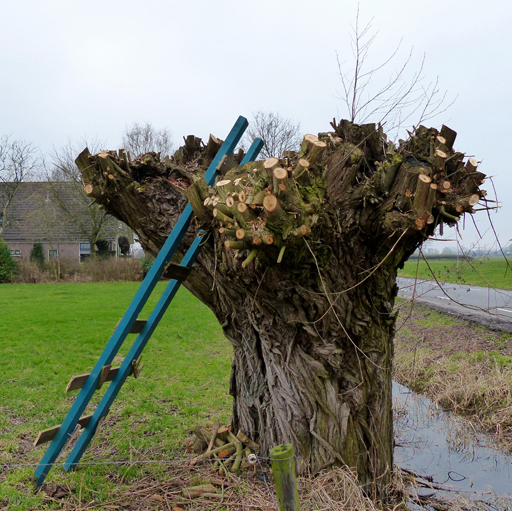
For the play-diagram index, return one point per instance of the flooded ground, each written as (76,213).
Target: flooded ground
(453,458)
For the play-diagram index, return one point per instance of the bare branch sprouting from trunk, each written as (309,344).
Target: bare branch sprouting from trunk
(399,100)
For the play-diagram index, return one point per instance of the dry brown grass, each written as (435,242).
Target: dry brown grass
(111,270)
(93,270)
(335,490)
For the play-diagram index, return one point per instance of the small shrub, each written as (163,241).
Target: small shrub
(146,263)
(7,263)
(102,245)
(37,254)
(104,251)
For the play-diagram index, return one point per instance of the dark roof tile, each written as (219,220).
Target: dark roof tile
(36,213)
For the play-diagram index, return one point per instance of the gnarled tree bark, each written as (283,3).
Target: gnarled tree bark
(299,267)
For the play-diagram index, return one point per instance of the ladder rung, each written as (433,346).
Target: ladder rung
(108,373)
(176,272)
(77,382)
(136,327)
(48,434)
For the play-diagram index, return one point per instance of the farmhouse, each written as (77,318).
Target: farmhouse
(56,214)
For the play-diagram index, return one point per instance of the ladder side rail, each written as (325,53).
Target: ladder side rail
(140,343)
(254,151)
(137,304)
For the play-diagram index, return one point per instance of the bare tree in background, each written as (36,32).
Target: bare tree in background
(278,134)
(68,193)
(144,138)
(46,219)
(61,165)
(18,163)
(398,100)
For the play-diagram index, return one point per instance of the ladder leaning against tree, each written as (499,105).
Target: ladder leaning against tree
(103,370)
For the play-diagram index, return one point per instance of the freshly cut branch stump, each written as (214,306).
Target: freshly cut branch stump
(421,195)
(439,159)
(280,173)
(270,203)
(301,168)
(270,165)
(474,199)
(471,165)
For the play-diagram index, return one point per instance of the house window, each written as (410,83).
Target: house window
(85,251)
(53,254)
(16,253)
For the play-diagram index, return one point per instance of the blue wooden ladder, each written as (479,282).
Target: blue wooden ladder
(102,371)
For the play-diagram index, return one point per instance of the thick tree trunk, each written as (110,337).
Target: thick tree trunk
(311,370)
(299,267)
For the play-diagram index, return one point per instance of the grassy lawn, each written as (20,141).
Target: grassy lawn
(51,332)
(485,271)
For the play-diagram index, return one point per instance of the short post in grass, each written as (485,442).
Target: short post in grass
(285,480)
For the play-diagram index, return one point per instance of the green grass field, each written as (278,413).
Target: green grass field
(485,271)
(51,332)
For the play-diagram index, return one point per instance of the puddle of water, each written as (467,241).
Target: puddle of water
(437,444)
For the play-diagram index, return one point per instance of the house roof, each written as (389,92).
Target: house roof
(40,211)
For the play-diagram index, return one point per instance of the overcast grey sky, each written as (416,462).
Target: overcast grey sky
(88,69)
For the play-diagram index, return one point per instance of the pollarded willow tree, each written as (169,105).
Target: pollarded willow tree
(299,267)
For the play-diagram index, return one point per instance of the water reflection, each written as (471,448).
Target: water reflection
(436,444)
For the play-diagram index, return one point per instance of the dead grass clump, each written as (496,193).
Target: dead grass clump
(30,272)
(111,270)
(336,490)
(93,270)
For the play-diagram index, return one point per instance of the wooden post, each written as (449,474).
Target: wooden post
(283,470)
